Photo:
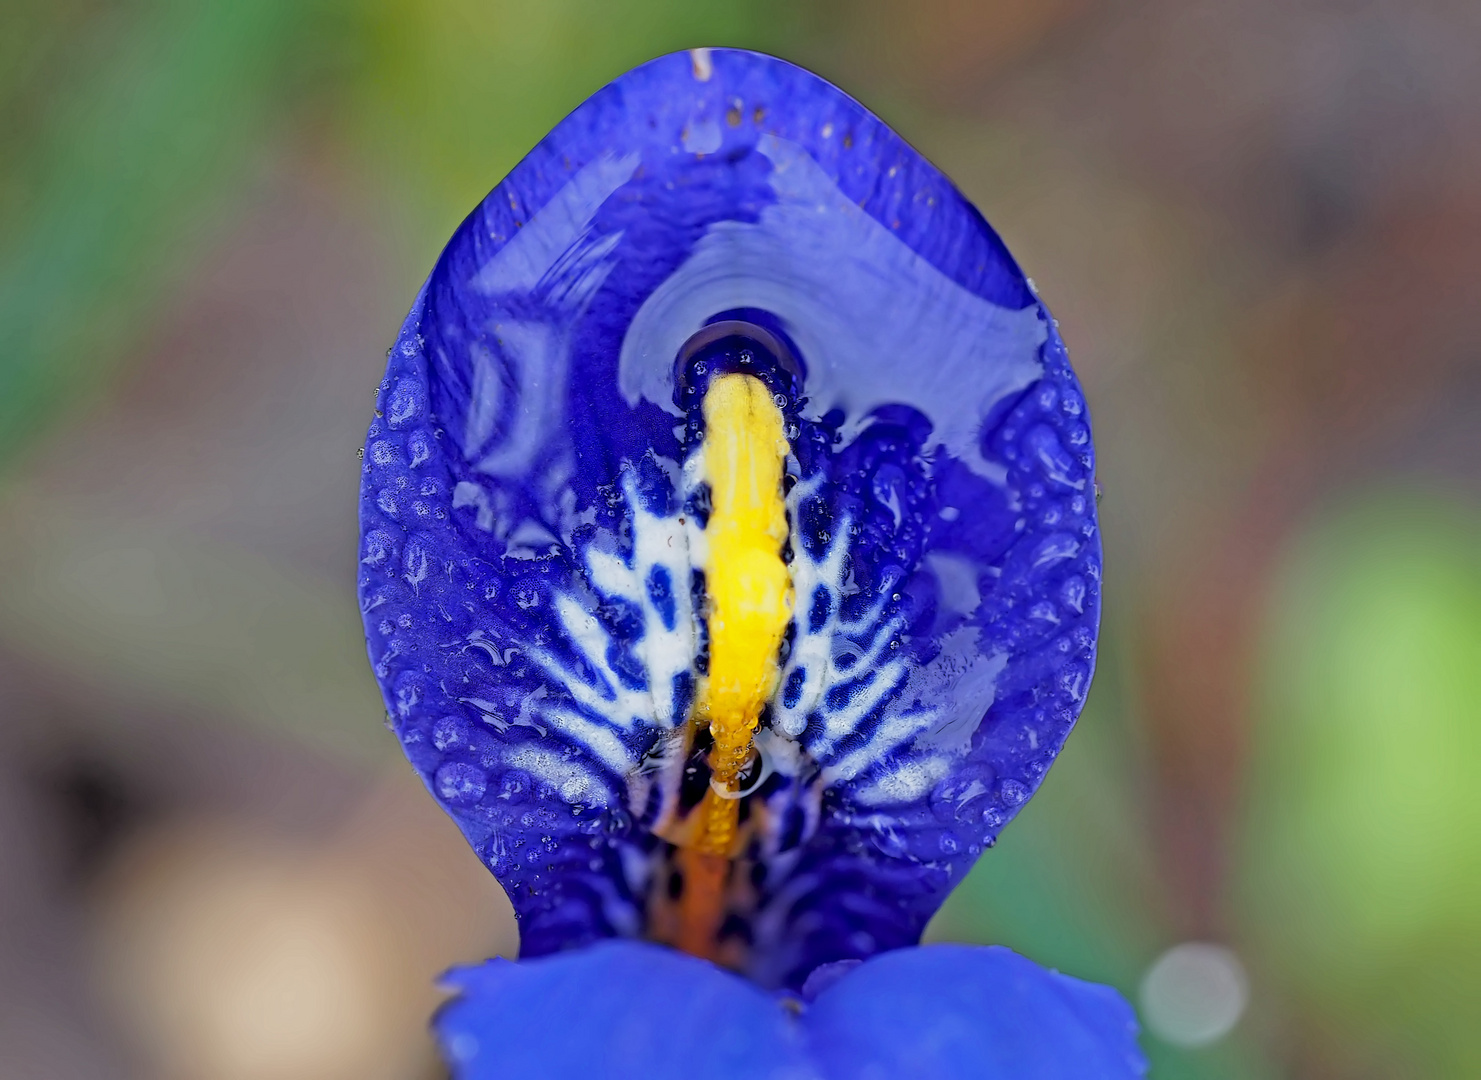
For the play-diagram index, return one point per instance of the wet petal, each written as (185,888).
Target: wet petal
(529,529)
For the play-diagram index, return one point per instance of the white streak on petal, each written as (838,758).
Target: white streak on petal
(556,227)
(907,782)
(573,783)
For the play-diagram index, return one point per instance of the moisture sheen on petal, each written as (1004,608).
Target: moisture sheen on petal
(533,511)
(942,1012)
(615,1010)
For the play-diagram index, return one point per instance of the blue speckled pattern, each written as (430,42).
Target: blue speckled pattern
(530,602)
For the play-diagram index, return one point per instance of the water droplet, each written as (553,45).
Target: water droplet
(460,783)
(1072,593)
(618,822)
(514,787)
(1012,792)
(448,732)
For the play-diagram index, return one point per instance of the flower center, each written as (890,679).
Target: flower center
(749,593)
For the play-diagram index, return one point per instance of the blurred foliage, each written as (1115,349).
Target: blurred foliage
(125,128)
(156,621)
(446,97)
(1364,830)
(142,133)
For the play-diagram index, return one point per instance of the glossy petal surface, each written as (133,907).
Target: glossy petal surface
(942,1012)
(616,1010)
(948,1011)
(529,595)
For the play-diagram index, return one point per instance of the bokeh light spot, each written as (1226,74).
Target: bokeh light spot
(1194,994)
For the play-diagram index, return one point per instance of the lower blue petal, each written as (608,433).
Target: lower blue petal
(625,1009)
(617,1010)
(949,1011)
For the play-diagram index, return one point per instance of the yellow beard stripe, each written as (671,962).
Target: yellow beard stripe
(748,586)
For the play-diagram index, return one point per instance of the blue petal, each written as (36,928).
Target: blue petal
(625,1009)
(524,574)
(616,1010)
(949,1011)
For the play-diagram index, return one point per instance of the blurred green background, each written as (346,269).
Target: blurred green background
(1260,227)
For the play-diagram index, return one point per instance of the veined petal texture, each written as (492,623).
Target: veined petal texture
(531,521)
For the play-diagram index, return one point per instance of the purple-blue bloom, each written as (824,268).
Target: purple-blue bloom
(534,511)
(943,1012)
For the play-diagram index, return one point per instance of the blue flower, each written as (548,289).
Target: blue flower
(941,1012)
(729,554)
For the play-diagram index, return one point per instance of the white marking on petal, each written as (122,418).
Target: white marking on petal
(906,782)
(573,783)
(604,745)
(702,64)
(892,732)
(665,648)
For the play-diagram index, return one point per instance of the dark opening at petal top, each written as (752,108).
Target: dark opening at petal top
(720,252)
